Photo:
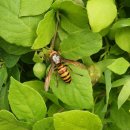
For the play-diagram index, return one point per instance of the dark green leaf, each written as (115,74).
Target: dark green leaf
(13,49)
(3,76)
(120,117)
(4,103)
(9,59)
(14,72)
(54,109)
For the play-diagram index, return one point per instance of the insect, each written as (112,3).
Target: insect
(57,63)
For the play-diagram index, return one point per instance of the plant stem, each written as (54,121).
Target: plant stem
(55,35)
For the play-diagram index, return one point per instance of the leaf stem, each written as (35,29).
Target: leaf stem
(55,35)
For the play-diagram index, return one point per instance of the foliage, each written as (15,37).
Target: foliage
(94,35)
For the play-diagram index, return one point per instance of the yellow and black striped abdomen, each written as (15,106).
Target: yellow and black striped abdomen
(64,73)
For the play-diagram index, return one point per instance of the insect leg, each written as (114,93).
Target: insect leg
(73,71)
(47,80)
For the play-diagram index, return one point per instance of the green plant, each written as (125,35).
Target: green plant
(96,34)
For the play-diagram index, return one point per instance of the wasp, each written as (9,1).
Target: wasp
(57,63)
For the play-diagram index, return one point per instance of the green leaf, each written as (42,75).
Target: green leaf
(21,31)
(108,86)
(75,13)
(68,26)
(62,34)
(120,82)
(45,30)
(4,103)
(79,2)
(54,109)
(37,58)
(14,72)
(122,39)
(115,50)
(13,49)
(124,93)
(25,102)
(78,93)
(119,66)
(44,124)
(9,122)
(35,84)
(98,109)
(80,44)
(51,97)
(9,59)
(3,76)
(120,117)
(101,13)
(121,23)
(77,120)
(27,7)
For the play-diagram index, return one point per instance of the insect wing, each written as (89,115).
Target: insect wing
(47,80)
(78,64)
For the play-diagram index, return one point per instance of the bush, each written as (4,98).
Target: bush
(64,65)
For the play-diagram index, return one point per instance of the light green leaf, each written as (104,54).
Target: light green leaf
(44,124)
(80,44)
(25,102)
(79,2)
(124,93)
(78,93)
(35,84)
(77,120)
(119,66)
(45,30)
(75,13)
(122,38)
(18,31)
(27,7)
(120,117)
(3,75)
(101,13)
(9,122)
